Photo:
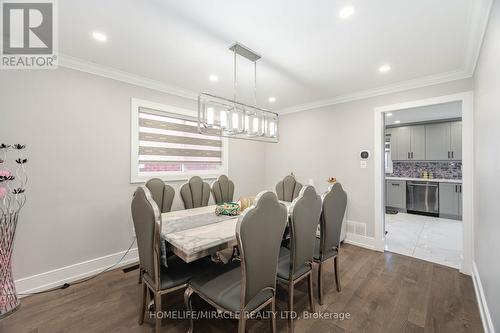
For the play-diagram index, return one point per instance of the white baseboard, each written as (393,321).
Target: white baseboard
(362,241)
(481,301)
(68,274)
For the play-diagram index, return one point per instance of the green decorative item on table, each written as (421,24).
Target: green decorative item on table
(228,208)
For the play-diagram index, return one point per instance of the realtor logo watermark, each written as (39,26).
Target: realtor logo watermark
(29,34)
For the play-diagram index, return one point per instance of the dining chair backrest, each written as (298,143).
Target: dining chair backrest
(195,193)
(259,232)
(147,225)
(305,213)
(332,216)
(223,190)
(288,188)
(162,194)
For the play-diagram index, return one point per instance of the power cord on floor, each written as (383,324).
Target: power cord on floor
(67,285)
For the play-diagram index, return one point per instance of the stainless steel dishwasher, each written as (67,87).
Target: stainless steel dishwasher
(422,197)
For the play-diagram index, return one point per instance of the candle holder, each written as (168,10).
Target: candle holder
(12,199)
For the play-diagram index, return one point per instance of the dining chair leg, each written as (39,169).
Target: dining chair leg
(337,274)
(143,303)
(158,310)
(311,292)
(189,306)
(273,315)
(290,306)
(320,283)
(242,323)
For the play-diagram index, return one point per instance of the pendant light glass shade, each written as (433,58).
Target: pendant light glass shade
(236,120)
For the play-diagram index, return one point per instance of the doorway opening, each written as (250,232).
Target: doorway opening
(423,180)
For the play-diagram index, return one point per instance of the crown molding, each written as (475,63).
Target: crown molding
(384,90)
(478,25)
(477,29)
(116,74)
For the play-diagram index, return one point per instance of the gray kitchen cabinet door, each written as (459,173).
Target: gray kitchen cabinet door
(456,140)
(437,142)
(449,200)
(417,143)
(403,143)
(395,194)
(393,132)
(460,206)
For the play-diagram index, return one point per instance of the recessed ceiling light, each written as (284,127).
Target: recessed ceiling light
(271,99)
(346,12)
(99,36)
(388,114)
(397,121)
(213,78)
(384,68)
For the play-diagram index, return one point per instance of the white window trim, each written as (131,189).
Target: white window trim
(135,178)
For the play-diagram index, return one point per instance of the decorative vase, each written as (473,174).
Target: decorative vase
(8,297)
(13,180)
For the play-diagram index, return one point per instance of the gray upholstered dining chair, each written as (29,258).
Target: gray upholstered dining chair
(246,288)
(288,188)
(156,277)
(328,244)
(295,264)
(195,193)
(223,190)
(163,194)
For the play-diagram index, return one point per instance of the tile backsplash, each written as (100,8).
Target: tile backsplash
(446,170)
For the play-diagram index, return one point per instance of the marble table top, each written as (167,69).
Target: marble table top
(198,232)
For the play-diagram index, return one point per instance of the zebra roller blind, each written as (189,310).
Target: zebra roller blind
(170,144)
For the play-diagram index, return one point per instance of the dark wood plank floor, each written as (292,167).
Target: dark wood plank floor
(382,292)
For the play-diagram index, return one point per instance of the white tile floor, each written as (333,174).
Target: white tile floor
(428,238)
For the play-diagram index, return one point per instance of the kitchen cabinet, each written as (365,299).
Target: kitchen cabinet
(450,201)
(410,142)
(395,194)
(443,141)
(456,140)
(430,142)
(417,143)
(437,141)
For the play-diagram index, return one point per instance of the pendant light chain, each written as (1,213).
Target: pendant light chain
(255,82)
(234,83)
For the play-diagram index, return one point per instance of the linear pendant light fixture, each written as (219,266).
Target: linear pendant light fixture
(235,119)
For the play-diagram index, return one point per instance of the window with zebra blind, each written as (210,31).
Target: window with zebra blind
(166,144)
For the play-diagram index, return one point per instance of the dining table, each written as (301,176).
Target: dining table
(195,233)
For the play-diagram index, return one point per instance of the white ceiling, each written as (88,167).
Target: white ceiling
(310,55)
(426,113)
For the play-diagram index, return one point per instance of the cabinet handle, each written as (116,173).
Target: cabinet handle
(448,155)
(452,154)
(411,155)
(394,184)
(408,155)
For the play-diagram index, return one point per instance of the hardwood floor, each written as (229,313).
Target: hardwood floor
(382,292)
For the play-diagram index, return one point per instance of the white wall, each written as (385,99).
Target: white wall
(317,144)
(487,166)
(77,130)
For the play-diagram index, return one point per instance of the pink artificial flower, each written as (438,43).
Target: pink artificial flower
(3,192)
(4,173)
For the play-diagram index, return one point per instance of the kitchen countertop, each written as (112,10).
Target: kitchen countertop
(458,181)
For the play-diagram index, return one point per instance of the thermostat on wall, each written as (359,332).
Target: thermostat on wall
(364,154)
